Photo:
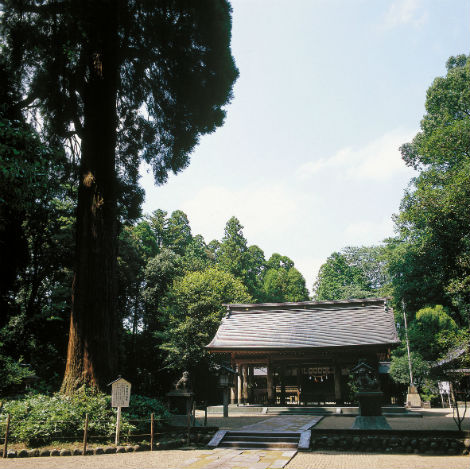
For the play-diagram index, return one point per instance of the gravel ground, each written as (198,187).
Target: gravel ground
(146,459)
(433,419)
(176,459)
(337,460)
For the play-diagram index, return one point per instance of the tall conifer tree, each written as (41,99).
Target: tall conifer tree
(121,80)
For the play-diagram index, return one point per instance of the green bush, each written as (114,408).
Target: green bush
(40,419)
(140,407)
(12,373)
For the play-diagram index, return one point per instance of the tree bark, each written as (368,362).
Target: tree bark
(92,350)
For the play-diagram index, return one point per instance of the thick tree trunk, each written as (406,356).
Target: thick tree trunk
(92,350)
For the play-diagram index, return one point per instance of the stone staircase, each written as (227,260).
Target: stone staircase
(267,440)
(299,410)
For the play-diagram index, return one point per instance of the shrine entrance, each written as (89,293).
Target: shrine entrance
(300,354)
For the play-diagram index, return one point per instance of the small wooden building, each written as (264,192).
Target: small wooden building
(301,353)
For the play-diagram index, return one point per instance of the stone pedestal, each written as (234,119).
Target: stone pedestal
(180,402)
(370,410)
(378,422)
(370,403)
(413,399)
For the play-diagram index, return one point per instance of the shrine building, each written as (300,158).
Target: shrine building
(301,353)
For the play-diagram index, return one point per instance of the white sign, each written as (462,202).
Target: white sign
(120,393)
(444,387)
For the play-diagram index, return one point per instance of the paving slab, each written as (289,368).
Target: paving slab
(285,423)
(248,459)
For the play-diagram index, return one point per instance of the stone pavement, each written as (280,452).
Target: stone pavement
(285,423)
(224,458)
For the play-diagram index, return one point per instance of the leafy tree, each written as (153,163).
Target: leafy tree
(123,79)
(194,311)
(338,280)
(400,370)
(256,267)
(282,281)
(197,255)
(355,272)
(430,258)
(276,261)
(159,274)
(214,249)
(372,261)
(36,232)
(427,331)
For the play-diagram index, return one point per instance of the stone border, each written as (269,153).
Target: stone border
(196,437)
(394,441)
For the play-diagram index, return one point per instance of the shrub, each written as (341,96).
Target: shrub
(139,410)
(12,373)
(40,418)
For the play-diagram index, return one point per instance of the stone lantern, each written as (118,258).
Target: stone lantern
(226,380)
(370,398)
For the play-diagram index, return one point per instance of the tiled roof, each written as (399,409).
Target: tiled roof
(306,325)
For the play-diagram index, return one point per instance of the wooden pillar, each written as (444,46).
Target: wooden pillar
(251,382)
(239,385)
(245,383)
(338,386)
(283,384)
(269,384)
(299,383)
(233,390)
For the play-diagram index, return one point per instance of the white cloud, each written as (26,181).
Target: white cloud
(267,211)
(403,12)
(378,160)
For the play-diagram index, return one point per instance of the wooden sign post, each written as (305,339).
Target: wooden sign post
(120,396)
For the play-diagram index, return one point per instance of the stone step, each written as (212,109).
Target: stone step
(298,412)
(258,444)
(273,440)
(249,439)
(249,434)
(254,438)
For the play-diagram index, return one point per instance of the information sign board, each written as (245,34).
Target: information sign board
(120,393)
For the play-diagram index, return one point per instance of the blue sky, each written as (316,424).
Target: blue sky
(308,156)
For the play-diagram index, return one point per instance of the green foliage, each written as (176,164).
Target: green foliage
(12,373)
(427,330)
(355,272)
(194,311)
(429,390)
(284,285)
(133,81)
(338,280)
(140,407)
(232,255)
(430,259)
(39,418)
(400,370)
(282,281)
(160,272)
